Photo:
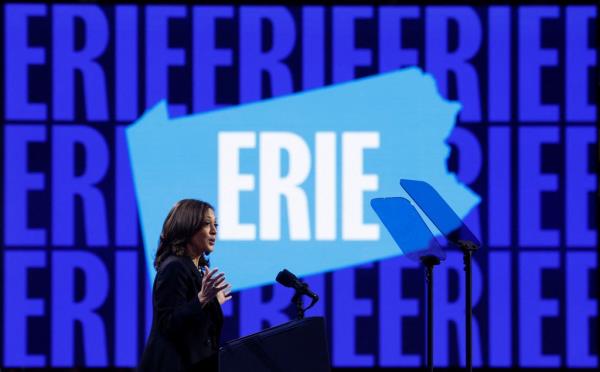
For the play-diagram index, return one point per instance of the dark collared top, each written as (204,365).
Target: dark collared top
(184,333)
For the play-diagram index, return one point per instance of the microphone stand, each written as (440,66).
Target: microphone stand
(288,279)
(297,300)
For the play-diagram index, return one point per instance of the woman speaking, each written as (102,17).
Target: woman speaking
(187,295)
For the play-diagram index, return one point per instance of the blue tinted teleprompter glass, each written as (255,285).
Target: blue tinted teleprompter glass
(406,227)
(456,232)
(439,212)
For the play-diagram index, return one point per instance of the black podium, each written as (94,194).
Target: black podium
(299,345)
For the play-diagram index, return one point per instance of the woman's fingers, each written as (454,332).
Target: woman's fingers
(218,281)
(224,295)
(226,288)
(223,285)
(214,283)
(216,278)
(210,279)
(209,272)
(219,289)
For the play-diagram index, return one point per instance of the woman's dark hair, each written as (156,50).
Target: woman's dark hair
(183,221)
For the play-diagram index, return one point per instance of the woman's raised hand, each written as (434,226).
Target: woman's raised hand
(224,295)
(214,285)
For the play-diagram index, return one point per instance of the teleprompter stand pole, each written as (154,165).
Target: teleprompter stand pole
(468,248)
(429,261)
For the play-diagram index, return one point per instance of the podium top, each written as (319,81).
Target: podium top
(273,331)
(296,346)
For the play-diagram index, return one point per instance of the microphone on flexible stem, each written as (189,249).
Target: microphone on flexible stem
(288,279)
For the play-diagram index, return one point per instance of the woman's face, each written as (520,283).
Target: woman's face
(203,240)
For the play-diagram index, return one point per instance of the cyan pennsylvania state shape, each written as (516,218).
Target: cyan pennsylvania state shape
(172,159)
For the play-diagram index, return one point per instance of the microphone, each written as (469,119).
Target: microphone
(290,280)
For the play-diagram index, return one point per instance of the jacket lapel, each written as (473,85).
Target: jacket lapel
(194,273)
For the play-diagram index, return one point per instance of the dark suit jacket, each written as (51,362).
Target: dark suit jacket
(184,334)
